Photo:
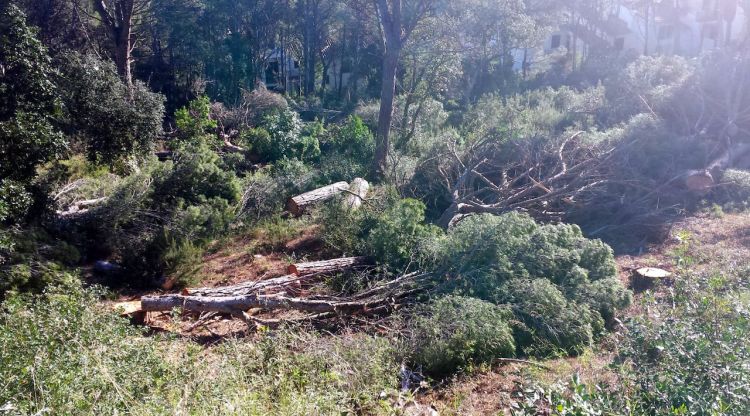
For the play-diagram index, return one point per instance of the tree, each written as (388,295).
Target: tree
(28,106)
(114,121)
(398,19)
(118,18)
(28,101)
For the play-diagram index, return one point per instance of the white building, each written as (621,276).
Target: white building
(681,27)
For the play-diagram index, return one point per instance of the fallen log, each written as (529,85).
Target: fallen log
(327,266)
(236,304)
(357,193)
(80,207)
(275,285)
(297,205)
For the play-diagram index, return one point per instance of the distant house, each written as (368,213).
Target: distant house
(680,27)
(282,72)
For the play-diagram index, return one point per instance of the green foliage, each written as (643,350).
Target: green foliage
(181,260)
(75,357)
(112,121)
(552,323)
(28,111)
(70,352)
(398,233)
(454,332)
(349,148)
(193,178)
(280,135)
(190,200)
(194,121)
(15,201)
(561,285)
(31,259)
(687,359)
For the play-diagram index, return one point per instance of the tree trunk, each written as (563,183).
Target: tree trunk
(237,304)
(357,193)
(119,24)
(387,93)
(275,285)
(326,266)
(296,206)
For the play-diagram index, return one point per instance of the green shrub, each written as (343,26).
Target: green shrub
(349,149)
(15,201)
(31,259)
(181,261)
(552,323)
(455,332)
(72,358)
(280,135)
(194,121)
(112,120)
(400,230)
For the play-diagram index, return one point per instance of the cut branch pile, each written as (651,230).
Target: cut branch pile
(532,177)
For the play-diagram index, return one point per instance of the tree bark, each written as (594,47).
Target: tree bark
(275,285)
(385,117)
(358,190)
(297,205)
(119,24)
(237,304)
(326,266)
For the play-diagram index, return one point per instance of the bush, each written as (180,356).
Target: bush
(561,285)
(399,232)
(455,332)
(31,259)
(71,352)
(348,151)
(279,135)
(181,262)
(112,121)
(552,323)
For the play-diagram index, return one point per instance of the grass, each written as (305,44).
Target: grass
(62,354)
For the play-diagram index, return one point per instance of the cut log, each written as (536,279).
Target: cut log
(275,285)
(297,205)
(80,207)
(357,193)
(327,266)
(237,304)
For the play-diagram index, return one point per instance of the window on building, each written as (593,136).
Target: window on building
(619,44)
(555,43)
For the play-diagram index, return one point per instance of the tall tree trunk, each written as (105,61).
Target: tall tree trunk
(387,93)
(310,47)
(119,24)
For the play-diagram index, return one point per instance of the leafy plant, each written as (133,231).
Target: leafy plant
(455,332)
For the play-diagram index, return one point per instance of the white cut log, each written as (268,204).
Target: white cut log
(357,193)
(275,285)
(299,203)
(327,266)
(236,304)
(80,207)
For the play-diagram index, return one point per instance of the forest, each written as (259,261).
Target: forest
(374,207)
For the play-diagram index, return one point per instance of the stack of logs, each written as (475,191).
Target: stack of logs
(279,294)
(283,293)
